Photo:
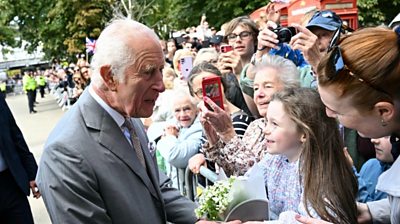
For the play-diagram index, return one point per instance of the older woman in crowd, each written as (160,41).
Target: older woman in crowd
(234,154)
(182,137)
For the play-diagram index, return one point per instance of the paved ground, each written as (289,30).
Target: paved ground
(36,128)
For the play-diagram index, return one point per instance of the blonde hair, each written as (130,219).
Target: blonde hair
(371,54)
(178,55)
(168,83)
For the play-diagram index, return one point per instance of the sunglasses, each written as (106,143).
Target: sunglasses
(340,66)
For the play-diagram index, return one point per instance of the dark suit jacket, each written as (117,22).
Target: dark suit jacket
(14,149)
(89,173)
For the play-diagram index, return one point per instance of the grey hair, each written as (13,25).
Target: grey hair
(113,48)
(289,75)
(180,93)
(208,50)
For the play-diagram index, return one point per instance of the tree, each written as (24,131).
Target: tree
(377,12)
(217,12)
(7,31)
(60,27)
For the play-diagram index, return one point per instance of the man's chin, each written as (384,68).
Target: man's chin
(371,135)
(363,135)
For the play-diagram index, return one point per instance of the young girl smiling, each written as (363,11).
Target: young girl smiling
(305,168)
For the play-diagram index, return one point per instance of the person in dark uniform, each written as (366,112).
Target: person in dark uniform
(17,171)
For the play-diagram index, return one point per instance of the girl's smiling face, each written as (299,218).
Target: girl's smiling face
(281,132)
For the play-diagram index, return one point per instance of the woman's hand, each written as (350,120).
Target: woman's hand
(208,129)
(195,162)
(219,119)
(171,130)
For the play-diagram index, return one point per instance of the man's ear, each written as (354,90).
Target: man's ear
(385,110)
(108,77)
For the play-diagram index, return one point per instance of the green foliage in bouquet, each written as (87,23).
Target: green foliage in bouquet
(215,200)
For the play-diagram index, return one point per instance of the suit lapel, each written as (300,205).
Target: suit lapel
(111,137)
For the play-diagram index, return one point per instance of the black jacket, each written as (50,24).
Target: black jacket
(15,151)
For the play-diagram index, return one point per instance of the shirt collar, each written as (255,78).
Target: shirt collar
(116,116)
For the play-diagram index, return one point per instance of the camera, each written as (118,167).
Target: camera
(285,34)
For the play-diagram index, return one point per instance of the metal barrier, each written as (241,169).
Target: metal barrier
(15,89)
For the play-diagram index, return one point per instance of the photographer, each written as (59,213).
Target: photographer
(305,48)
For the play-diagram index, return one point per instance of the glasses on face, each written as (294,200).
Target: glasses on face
(244,35)
(337,60)
(199,93)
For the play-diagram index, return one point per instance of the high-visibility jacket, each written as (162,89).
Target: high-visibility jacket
(3,87)
(41,81)
(29,83)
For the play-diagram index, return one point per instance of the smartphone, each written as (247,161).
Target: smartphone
(226,48)
(186,67)
(212,88)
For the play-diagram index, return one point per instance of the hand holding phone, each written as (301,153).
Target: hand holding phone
(226,48)
(186,66)
(212,88)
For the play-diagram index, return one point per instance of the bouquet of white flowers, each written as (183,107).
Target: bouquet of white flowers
(232,198)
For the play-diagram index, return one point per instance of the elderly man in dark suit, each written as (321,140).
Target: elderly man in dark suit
(17,171)
(97,166)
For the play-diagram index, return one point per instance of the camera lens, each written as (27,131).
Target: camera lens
(285,34)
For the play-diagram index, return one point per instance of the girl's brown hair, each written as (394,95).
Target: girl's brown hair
(330,186)
(372,55)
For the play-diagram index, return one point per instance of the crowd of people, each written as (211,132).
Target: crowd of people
(143,116)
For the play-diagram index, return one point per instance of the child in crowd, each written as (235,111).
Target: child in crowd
(305,167)
(372,169)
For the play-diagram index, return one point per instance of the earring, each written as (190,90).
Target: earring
(383,123)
